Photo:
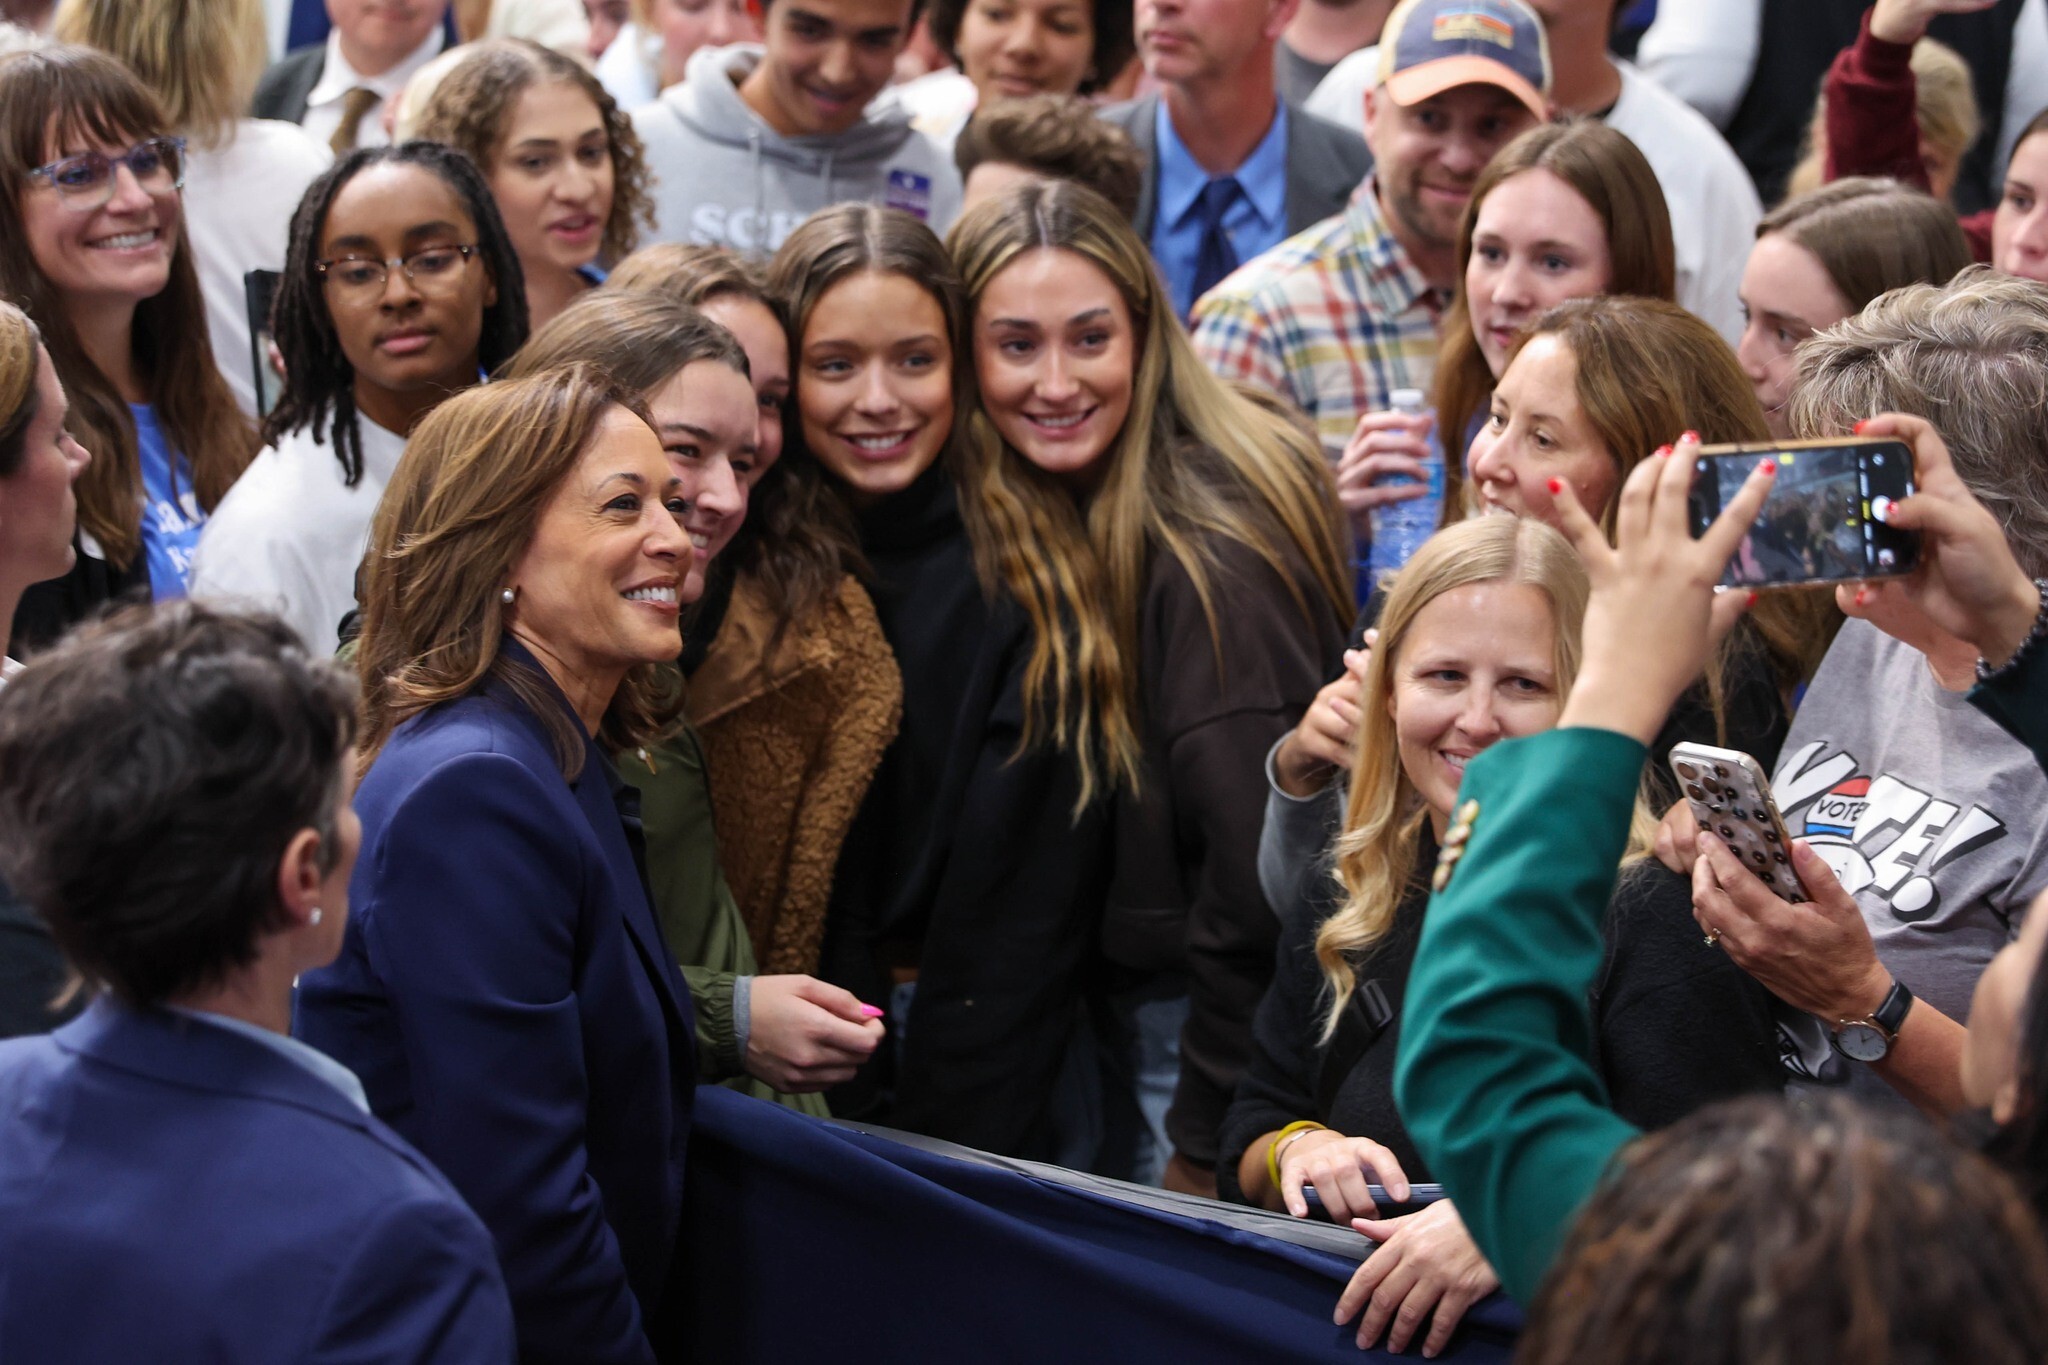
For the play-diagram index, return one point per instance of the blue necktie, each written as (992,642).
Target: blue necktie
(1215,257)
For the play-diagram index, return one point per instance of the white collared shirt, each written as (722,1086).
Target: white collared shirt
(337,78)
(292,1050)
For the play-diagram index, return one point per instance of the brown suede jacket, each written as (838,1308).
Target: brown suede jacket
(791,743)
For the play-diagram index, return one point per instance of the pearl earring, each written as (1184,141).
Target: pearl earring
(508,596)
(314,916)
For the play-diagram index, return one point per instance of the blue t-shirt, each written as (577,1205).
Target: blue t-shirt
(171,518)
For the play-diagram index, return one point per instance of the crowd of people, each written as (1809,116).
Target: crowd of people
(1114,586)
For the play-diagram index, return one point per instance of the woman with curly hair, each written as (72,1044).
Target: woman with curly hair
(400,287)
(559,155)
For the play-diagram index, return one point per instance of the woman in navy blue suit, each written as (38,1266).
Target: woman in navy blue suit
(504,991)
(179,1179)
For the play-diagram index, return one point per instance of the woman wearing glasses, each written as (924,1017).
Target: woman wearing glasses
(400,285)
(92,244)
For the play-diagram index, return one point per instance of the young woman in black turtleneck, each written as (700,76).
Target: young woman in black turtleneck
(975,869)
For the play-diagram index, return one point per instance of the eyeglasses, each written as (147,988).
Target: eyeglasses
(86,181)
(435,269)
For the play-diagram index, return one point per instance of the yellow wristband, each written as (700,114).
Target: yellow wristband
(1281,1139)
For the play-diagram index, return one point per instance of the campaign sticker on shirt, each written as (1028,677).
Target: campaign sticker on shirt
(910,192)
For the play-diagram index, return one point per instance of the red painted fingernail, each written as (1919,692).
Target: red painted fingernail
(1692,436)
(1556,487)
(1664,451)
(1862,596)
(873,1011)
(1858,428)
(1769,466)
(1752,599)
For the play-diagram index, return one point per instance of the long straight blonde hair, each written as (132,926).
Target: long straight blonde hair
(1383,814)
(1195,462)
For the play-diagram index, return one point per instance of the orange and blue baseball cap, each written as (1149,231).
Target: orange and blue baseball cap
(1430,46)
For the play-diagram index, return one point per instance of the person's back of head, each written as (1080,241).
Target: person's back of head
(1761,1233)
(1055,137)
(200,58)
(1972,358)
(153,768)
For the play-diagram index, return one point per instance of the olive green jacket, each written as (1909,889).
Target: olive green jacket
(696,909)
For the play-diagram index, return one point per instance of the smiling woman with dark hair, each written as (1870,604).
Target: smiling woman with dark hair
(505,990)
(400,287)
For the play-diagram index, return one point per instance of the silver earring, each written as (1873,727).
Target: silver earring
(314,916)
(508,596)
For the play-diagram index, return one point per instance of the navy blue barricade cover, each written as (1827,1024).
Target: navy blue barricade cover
(804,1240)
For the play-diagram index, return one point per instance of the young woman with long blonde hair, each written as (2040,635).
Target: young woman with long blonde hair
(1177,549)
(1479,643)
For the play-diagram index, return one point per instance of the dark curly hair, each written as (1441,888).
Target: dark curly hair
(1759,1232)
(1115,41)
(472,106)
(319,383)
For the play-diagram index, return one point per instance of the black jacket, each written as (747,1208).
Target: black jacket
(965,858)
(288,84)
(1186,892)
(1678,1025)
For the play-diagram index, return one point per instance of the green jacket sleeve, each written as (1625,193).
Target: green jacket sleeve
(1495,1074)
(2017,698)
(718,1045)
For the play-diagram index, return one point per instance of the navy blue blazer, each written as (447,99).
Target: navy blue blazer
(173,1191)
(505,995)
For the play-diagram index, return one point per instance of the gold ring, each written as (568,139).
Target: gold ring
(1713,938)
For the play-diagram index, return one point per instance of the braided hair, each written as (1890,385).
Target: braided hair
(319,385)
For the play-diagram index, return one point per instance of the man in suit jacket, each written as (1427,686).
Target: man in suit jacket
(334,88)
(1230,169)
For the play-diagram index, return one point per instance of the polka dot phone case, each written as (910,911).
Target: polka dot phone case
(1730,795)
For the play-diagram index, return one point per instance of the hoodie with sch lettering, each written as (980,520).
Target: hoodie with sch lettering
(724,177)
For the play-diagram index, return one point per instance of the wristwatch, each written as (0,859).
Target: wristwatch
(1870,1039)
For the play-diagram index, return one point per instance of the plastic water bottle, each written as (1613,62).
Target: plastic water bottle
(1399,528)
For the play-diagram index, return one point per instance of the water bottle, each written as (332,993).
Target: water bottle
(1399,528)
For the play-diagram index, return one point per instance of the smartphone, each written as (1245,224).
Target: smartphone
(1824,519)
(1730,795)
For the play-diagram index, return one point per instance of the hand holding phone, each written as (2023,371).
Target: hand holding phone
(1730,795)
(1825,518)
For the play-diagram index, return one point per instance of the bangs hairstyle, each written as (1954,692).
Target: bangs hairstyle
(1607,170)
(1195,462)
(1872,236)
(1114,46)
(832,246)
(319,383)
(1375,854)
(19,401)
(57,99)
(794,540)
(471,110)
(201,58)
(459,512)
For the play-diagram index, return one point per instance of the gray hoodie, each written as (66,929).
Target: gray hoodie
(723,176)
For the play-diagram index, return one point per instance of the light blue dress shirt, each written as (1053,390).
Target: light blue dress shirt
(1256,223)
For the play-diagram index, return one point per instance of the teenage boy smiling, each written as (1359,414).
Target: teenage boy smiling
(758,138)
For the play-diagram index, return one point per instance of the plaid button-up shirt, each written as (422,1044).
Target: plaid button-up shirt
(1333,319)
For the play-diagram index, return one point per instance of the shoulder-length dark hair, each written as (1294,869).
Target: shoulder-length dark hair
(457,515)
(319,383)
(834,245)
(471,111)
(48,98)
